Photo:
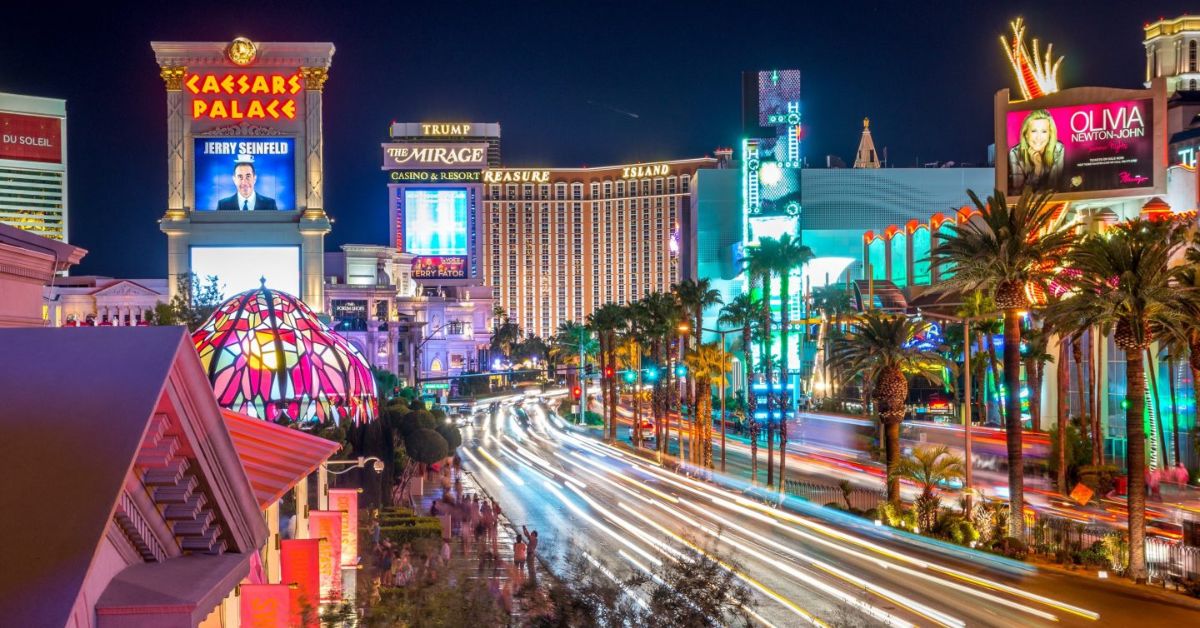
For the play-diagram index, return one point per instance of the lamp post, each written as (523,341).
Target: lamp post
(722,335)
(323,475)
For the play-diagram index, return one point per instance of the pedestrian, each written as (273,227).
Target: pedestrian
(519,552)
(533,541)
(433,509)
(446,552)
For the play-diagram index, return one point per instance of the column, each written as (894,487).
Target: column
(1049,396)
(314,83)
(177,245)
(271,549)
(301,524)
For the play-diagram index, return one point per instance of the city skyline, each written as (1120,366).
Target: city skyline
(636,93)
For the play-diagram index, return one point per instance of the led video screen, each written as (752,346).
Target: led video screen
(240,268)
(244,174)
(435,222)
(1081,148)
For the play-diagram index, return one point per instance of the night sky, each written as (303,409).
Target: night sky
(562,79)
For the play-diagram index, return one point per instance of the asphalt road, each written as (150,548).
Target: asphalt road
(805,565)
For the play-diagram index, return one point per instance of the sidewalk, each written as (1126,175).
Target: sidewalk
(500,567)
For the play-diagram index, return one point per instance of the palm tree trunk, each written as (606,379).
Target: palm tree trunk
(751,401)
(1064,413)
(984,393)
(1174,410)
(1156,407)
(1035,388)
(1093,411)
(1084,420)
(766,356)
(1135,429)
(1012,401)
(998,374)
(891,449)
(785,400)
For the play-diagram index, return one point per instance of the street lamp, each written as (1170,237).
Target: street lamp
(722,335)
(323,473)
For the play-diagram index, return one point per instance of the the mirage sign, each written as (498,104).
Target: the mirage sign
(434,156)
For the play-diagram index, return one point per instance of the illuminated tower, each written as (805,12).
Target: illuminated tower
(1173,51)
(866,157)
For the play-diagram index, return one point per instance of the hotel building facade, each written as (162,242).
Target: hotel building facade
(33,164)
(560,243)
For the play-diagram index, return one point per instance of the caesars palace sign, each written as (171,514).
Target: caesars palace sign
(243,96)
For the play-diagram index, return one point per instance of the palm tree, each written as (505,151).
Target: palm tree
(695,296)
(1122,283)
(789,255)
(981,310)
(881,346)
(760,263)
(633,343)
(1005,251)
(833,302)
(705,363)
(1035,354)
(607,320)
(931,467)
(662,316)
(570,340)
(742,312)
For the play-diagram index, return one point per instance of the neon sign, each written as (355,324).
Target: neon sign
(442,130)
(1187,156)
(516,176)
(425,155)
(243,96)
(652,170)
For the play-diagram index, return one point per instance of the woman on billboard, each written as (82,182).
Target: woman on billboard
(1037,159)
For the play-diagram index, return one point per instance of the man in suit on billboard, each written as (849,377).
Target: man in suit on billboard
(245,199)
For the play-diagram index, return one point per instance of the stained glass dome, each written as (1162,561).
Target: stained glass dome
(266,354)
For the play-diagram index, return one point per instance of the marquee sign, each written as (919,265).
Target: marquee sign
(243,96)
(516,176)
(648,170)
(434,156)
(31,138)
(434,176)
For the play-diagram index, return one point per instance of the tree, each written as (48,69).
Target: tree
(742,312)
(789,255)
(662,315)
(930,467)
(833,302)
(426,446)
(705,363)
(695,296)
(452,435)
(386,383)
(882,347)
(760,263)
(193,302)
(1121,283)
(1006,251)
(607,321)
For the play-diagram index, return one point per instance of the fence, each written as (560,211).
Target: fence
(1165,559)
(859,498)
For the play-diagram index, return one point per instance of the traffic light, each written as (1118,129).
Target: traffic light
(587,370)
(680,370)
(608,372)
(630,377)
(576,393)
(651,373)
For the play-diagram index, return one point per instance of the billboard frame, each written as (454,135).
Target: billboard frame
(1083,96)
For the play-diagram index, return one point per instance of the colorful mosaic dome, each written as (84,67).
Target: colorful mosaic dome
(267,354)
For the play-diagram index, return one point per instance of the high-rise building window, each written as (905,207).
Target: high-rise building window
(1192,56)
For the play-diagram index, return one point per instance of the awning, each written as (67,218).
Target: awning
(181,591)
(275,457)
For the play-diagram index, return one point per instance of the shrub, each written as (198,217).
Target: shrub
(1079,452)
(954,527)
(422,528)
(927,509)
(415,420)
(1116,548)
(426,446)
(452,435)
(1011,547)
(1101,479)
